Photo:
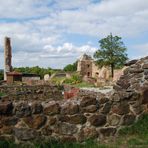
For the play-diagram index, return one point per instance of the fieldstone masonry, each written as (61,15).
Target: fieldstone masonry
(90,115)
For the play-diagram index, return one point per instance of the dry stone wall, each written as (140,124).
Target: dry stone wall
(90,115)
(31,93)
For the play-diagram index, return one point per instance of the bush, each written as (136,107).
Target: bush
(75,79)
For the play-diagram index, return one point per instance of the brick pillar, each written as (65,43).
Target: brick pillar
(7,56)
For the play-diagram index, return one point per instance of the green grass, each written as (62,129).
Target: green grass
(139,128)
(135,136)
(52,144)
(83,84)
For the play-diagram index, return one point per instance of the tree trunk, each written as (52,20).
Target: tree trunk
(112,70)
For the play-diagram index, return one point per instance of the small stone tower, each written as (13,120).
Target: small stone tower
(85,65)
(7,57)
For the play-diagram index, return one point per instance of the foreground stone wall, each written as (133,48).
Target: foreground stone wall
(71,120)
(90,115)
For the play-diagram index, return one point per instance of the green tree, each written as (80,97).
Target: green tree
(71,67)
(112,52)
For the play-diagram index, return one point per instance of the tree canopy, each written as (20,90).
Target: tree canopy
(71,67)
(112,52)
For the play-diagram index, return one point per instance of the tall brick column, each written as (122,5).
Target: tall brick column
(7,56)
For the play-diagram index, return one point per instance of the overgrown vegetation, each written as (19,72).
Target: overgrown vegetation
(75,79)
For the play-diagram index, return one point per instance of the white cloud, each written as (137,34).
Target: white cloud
(38,28)
(21,9)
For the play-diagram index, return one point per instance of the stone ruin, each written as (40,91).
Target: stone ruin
(90,71)
(7,57)
(89,115)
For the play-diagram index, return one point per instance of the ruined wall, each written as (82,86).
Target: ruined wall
(31,93)
(90,115)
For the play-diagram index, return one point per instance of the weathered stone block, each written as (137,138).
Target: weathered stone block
(106,108)
(109,131)
(89,109)
(97,119)
(135,70)
(74,119)
(47,131)
(86,101)
(123,83)
(128,119)
(67,139)
(6,107)
(103,100)
(87,133)
(145,96)
(52,108)
(6,130)
(52,120)
(145,66)
(25,134)
(8,121)
(136,108)
(36,108)
(77,119)
(65,129)
(36,121)
(120,108)
(22,110)
(114,119)
(70,109)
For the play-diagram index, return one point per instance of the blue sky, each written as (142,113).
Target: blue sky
(54,33)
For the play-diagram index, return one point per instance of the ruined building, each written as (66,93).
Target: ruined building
(7,57)
(89,69)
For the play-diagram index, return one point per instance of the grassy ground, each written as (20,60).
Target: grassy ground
(84,84)
(135,136)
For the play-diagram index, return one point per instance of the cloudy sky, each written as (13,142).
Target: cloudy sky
(54,33)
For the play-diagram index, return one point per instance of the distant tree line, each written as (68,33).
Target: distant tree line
(35,70)
(71,67)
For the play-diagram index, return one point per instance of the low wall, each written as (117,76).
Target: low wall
(89,115)
(71,120)
(35,92)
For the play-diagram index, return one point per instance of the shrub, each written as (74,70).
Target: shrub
(75,79)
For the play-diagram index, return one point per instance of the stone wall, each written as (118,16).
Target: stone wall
(31,93)
(90,115)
